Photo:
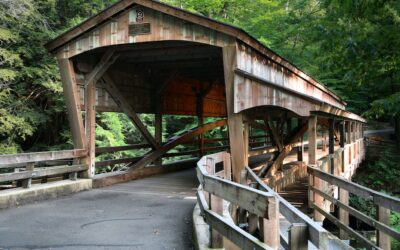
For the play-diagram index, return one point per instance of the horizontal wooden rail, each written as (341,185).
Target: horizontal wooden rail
(42,172)
(317,234)
(346,228)
(9,161)
(121,148)
(368,220)
(118,161)
(376,197)
(252,200)
(227,228)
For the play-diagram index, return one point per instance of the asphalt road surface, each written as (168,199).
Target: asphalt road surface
(153,213)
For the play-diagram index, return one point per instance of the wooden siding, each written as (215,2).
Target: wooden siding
(250,93)
(163,28)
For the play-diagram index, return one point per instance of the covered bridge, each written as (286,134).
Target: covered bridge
(143,56)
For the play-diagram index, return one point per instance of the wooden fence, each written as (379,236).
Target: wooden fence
(331,181)
(255,205)
(23,168)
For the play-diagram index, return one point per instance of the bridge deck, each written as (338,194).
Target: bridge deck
(153,213)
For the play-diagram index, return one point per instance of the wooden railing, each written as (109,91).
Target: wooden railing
(331,180)
(255,150)
(256,207)
(215,188)
(28,166)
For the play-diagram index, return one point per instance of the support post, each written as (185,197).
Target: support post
(90,126)
(300,148)
(246,142)
(270,227)
(158,128)
(312,160)
(72,102)
(200,117)
(343,214)
(298,236)
(384,217)
(332,143)
(28,182)
(235,121)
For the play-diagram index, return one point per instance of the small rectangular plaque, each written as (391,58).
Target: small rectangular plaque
(139,29)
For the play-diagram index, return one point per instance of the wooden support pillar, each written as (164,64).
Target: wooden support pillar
(246,142)
(28,182)
(383,240)
(235,121)
(349,141)
(300,149)
(343,214)
(312,140)
(332,143)
(323,141)
(270,227)
(158,128)
(312,160)
(200,117)
(342,134)
(72,101)
(90,126)
(298,236)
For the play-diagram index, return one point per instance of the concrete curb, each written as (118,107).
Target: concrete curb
(201,231)
(20,196)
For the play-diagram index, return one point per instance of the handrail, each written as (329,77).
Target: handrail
(376,197)
(317,234)
(9,161)
(218,185)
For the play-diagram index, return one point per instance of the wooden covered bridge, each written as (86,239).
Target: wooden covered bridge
(142,56)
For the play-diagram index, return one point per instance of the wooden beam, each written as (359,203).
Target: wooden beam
(175,141)
(275,134)
(41,172)
(102,66)
(235,121)
(277,164)
(7,161)
(124,105)
(90,126)
(227,228)
(252,200)
(332,143)
(72,101)
(378,198)
(121,148)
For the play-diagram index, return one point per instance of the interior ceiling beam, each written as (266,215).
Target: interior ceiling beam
(127,109)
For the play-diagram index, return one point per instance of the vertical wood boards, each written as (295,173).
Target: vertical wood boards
(235,121)
(252,62)
(162,27)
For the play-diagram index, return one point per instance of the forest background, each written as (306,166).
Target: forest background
(352,46)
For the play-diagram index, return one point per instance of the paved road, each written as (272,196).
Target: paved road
(154,213)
